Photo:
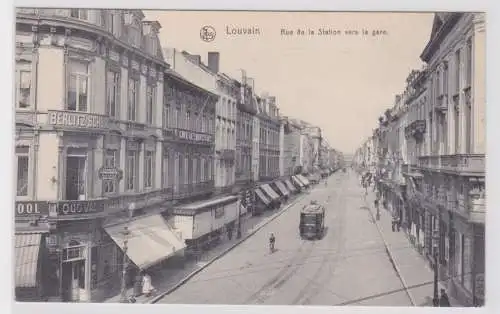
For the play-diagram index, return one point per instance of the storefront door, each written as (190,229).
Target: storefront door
(74,274)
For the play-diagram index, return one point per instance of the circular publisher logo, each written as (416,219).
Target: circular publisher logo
(207,33)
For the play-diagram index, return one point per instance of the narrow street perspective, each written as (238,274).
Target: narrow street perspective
(349,266)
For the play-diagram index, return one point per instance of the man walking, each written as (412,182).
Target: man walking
(444,301)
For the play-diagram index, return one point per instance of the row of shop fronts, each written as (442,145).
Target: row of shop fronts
(72,251)
(442,226)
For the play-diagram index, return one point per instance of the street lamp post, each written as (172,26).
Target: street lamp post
(238,233)
(126,233)
(435,299)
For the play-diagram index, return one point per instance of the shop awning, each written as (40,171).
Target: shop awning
(201,206)
(262,197)
(289,185)
(27,249)
(303,179)
(297,181)
(282,188)
(150,240)
(269,191)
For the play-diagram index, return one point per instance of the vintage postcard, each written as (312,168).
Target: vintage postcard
(250,157)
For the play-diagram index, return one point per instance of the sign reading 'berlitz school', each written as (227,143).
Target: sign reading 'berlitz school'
(78,120)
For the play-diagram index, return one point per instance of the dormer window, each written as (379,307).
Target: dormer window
(135,33)
(82,14)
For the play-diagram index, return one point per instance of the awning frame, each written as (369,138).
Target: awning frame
(145,236)
(269,191)
(262,197)
(282,188)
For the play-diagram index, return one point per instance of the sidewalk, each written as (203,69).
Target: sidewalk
(413,269)
(168,279)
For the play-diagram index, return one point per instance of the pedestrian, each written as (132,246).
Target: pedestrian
(147,286)
(444,301)
(395,221)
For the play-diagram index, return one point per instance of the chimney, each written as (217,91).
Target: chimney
(213,61)
(398,98)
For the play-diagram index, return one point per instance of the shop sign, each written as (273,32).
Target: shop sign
(32,208)
(65,208)
(192,136)
(110,173)
(81,120)
(168,133)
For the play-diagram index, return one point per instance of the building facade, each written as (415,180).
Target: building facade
(246,112)
(88,142)
(269,148)
(291,147)
(111,138)
(225,144)
(454,160)
(435,139)
(189,137)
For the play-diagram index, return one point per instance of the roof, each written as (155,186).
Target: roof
(175,75)
(204,205)
(312,209)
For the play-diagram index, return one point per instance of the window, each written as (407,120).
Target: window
(468,74)
(153,47)
(457,71)
(188,120)
(148,169)
(113,93)
(166,174)
(22,155)
(81,14)
(175,117)
(445,79)
(24,93)
(166,116)
(110,161)
(131,168)
(133,95)
(179,118)
(134,33)
(76,175)
(78,85)
(150,96)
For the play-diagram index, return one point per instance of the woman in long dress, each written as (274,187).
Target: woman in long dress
(147,286)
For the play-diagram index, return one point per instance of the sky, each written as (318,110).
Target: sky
(341,83)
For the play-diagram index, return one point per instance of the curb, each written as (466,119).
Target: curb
(243,239)
(391,258)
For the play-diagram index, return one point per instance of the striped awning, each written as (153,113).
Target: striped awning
(262,197)
(150,240)
(289,185)
(303,179)
(298,182)
(27,249)
(269,191)
(282,188)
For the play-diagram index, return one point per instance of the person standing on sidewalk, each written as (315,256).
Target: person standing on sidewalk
(444,301)
(395,221)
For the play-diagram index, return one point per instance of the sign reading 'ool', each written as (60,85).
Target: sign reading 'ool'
(32,208)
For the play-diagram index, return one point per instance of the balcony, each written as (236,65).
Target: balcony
(462,164)
(416,130)
(227,154)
